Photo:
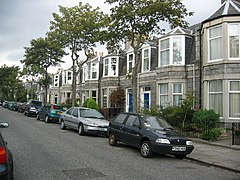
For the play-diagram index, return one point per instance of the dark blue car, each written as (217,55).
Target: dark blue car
(148,133)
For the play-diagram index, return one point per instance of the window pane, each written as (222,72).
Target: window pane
(214,32)
(164,44)
(177,50)
(215,86)
(177,88)
(177,100)
(216,48)
(163,88)
(234,105)
(216,103)
(234,46)
(164,57)
(235,86)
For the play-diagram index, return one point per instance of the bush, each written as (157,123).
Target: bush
(91,103)
(212,134)
(152,111)
(206,119)
(208,122)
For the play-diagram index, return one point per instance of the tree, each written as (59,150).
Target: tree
(117,97)
(78,28)
(42,54)
(9,82)
(135,21)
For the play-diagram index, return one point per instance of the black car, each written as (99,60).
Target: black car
(31,107)
(6,159)
(148,133)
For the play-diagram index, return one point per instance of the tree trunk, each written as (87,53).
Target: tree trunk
(46,88)
(135,82)
(74,85)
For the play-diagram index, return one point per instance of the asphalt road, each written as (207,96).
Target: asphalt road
(45,152)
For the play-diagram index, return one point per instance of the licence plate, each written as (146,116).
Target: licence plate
(176,148)
(59,112)
(103,129)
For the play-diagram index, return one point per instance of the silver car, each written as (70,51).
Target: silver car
(84,120)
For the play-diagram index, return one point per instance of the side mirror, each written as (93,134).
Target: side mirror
(4,125)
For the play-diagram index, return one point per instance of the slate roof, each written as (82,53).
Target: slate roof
(228,8)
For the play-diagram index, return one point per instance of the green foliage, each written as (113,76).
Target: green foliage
(91,103)
(208,122)
(78,28)
(212,134)
(173,115)
(9,82)
(206,119)
(152,111)
(117,97)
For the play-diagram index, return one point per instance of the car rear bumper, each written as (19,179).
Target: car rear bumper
(168,148)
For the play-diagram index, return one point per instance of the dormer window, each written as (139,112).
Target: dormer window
(146,60)
(110,65)
(172,51)
(130,62)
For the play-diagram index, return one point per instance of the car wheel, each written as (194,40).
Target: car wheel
(46,119)
(38,117)
(112,140)
(80,129)
(62,125)
(180,156)
(146,149)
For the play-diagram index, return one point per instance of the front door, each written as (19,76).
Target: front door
(130,102)
(146,100)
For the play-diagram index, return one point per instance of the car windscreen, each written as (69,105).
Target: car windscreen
(156,122)
(37,103)
(91,113)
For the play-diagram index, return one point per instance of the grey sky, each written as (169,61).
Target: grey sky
(24,20)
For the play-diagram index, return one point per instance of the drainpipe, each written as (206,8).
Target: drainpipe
(200,67)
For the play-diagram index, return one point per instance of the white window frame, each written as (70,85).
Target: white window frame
(163,95)
(232,92)
(177,93)
(128,62)
(238,34)
(170,49)
(148,57)
(217,92)
(106,66)
(109,66)
(217,37)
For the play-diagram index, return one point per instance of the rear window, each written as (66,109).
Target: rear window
(120,118)
(57,107)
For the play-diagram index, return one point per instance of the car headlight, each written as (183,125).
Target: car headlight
(163,141)
(189,143)
(92,124)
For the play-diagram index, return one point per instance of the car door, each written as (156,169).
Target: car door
(131,131)
(75,118)
(40,112)
(116,126)
(67,117)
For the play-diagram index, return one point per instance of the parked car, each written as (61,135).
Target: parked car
(12,105)
(5,104)
(31,107)
(50,112)
(84,120)
(148,133)
(6,158)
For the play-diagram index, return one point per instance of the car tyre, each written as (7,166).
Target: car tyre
(62,125)
(46,119)
(146,149)
(112,140)
(28,114)
(80,129)
(180,156)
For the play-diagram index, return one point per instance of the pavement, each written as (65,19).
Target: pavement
(219,153)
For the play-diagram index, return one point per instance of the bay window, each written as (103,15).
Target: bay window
(146,60)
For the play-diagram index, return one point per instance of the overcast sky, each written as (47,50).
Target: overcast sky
(24,20)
